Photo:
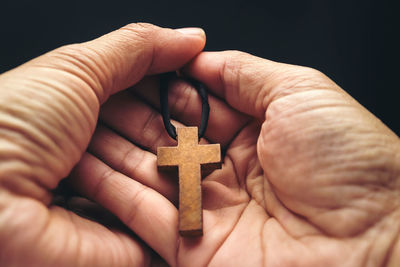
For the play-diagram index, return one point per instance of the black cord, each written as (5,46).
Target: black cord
(201,89)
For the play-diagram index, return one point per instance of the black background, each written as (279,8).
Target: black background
(353,42)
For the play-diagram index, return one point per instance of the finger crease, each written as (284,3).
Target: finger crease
(138,198)
(103,178)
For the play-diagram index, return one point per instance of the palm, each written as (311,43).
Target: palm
(245,213)
(252,206)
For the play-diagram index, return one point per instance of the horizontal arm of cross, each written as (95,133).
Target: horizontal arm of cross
(166,156)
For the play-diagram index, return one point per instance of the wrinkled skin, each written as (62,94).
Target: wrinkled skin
(309,178)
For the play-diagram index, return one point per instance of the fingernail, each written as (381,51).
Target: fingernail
(192,31)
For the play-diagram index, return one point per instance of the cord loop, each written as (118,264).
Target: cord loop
(200,88)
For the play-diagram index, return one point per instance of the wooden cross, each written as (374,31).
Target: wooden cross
(189,156)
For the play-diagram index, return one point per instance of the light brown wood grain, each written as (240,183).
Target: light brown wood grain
(189,156)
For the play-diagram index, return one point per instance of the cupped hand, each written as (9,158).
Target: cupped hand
(48,112)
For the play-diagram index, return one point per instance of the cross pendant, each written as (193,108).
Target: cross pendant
(190,158)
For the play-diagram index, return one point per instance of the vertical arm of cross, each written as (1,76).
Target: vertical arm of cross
(189,156)
(190,203)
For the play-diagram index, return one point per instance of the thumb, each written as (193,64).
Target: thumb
(249,83)
(49,106)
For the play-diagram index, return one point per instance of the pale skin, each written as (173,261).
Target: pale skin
(309,177)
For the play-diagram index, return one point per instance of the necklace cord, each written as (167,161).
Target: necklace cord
(165,78)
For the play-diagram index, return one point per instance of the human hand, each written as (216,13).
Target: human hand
(310,178)
(252,206)
(48,112)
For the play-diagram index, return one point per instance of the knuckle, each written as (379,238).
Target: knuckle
(235,61)
(140,29)
(236,55)
(313,73)
(84,66)
(81,60)
(141,25)
(70,53)
(299,78)
(69,49)
(234,68)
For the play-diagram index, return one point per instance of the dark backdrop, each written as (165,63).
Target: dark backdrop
(351,41)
